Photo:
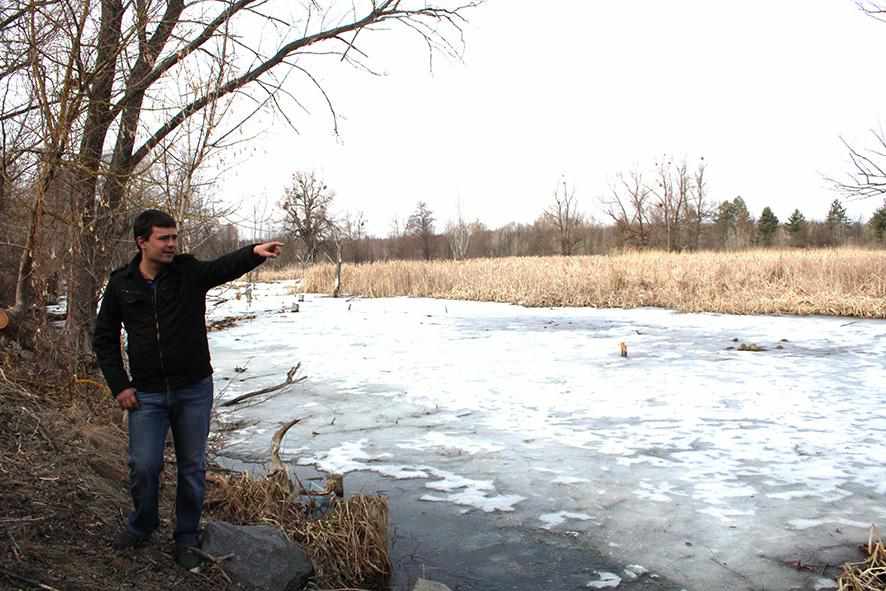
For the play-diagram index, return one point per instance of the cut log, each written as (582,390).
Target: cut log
(4,319)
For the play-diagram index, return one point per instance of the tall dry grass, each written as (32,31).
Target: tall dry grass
(288,273)
(843,282)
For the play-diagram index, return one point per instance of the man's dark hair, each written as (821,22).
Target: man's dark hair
(149,218)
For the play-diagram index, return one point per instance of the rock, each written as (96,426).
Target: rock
(428,585)
(263,558)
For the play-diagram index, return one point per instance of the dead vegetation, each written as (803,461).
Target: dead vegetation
(347,544)
(346,539)
(64,495)
(870,574)
(839,282)
(63,490)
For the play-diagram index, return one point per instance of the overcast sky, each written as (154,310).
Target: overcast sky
(762,89)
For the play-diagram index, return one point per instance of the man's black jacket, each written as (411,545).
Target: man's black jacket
(165,324)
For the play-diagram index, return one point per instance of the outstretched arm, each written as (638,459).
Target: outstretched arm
(238,263)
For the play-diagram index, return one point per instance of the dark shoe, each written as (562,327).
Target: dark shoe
(126,539)
(185,557)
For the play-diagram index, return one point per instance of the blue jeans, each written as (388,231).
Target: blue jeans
(187,411)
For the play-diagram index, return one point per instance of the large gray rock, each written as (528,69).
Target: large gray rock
(263,558)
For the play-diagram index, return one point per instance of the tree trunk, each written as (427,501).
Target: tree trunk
(28,311)
(337,290)
(83,279)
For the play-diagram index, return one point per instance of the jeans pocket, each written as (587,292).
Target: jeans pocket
(149,400)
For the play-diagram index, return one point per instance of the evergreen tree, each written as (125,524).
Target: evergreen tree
(744,223)
(837,222)
(724,221)
(421,225)
(767,226)
(877,222)
(796,228)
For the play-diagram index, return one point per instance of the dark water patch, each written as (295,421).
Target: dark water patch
(473,550)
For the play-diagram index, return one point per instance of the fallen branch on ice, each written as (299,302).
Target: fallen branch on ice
(290,379)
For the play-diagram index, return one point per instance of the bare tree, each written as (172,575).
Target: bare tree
(699,209)
(682,194)
(671,195)
(628,208)
(354,231)
(306,204)
(459,235)
(117,61)
(421,226)
(337,235)
(49,106)
(350,229)
(563,215)
(868,175)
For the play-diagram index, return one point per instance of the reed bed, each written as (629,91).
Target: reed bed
(288,273)
(348,544)
(869,575)
(838,282)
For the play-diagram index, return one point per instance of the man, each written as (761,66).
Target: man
(160,298)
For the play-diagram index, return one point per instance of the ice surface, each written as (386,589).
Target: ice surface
(686,449)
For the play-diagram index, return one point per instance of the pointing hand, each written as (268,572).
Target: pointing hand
(268,249)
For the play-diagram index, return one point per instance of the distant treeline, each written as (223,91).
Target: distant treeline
(730,228)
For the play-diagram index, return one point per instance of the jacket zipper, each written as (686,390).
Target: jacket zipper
(157,332)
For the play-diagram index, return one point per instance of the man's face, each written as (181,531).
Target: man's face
(160,245)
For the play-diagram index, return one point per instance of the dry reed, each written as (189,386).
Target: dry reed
(289,273)
(869,575)
(839,282)
(347,544)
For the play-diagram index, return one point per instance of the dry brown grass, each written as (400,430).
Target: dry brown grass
(289,273)
(841,282)
(869,575)
(348,544)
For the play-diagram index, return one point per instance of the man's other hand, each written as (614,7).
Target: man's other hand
(127,400)
(268,250)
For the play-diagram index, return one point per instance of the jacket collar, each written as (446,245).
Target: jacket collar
(132,267)
(133,272)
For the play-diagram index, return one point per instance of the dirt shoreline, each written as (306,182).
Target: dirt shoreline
(64,492)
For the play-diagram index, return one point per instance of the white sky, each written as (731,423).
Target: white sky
(763,90)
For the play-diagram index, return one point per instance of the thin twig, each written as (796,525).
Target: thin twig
(15,549)
(22,579)
(216,561)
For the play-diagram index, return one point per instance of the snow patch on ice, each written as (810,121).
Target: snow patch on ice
(634,571)
(569,480)
(448,441)
(657,492)
(725,514)
(478,499)
(607,580)
(552,520)
(449,482)
(802,524)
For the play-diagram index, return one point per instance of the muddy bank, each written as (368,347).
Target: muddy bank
(64,492)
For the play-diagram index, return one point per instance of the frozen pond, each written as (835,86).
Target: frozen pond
(710,467)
